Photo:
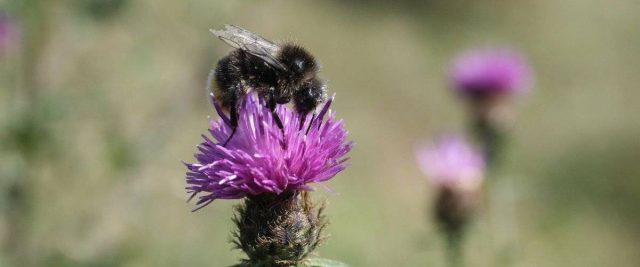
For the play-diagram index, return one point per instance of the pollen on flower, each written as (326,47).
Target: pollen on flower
(261,159)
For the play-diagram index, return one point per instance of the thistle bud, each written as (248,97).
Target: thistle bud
(454,208)
(457,171)
(278,230)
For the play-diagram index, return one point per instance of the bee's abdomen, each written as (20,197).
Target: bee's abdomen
(227,83)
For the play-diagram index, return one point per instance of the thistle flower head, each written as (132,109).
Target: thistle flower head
(452,162)
(490,71)
(457,171)
(262,158)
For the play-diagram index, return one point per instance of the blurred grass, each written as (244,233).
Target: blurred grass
(128,90)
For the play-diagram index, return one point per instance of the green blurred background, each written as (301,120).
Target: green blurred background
(103,99)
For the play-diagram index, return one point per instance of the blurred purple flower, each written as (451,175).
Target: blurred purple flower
(9,34)
(451,161)
(259,159)
(490,71)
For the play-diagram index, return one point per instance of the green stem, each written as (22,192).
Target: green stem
(455,251)
(491,138)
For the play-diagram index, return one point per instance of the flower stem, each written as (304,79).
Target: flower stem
(455,253)
(492,139)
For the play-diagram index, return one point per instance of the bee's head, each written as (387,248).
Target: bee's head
(301,65)
(310,93)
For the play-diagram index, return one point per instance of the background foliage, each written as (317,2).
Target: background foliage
(105,99)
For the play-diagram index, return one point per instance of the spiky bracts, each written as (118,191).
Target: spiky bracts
(278,230)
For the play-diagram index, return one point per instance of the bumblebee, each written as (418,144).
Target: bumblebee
(279,73)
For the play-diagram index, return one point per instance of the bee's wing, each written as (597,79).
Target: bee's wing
(251,43)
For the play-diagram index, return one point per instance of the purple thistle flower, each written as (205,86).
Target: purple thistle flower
(451,162)
(260,159)
(490,71)
(457,171)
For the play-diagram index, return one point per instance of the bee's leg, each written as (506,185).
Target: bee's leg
(271,104)
(277,119)
(313,117)
(303,117)
(279,123)
(233,120)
